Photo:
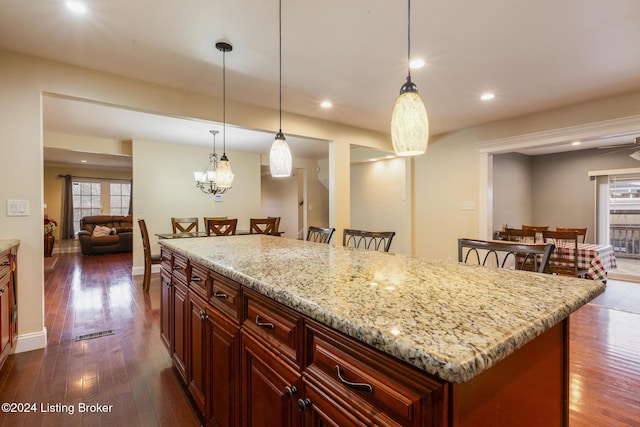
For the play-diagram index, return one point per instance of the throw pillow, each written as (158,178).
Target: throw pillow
(100,231)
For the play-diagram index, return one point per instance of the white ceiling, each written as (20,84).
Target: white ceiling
(534,56)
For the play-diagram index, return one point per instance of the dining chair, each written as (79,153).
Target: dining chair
(370,240)
(582,232)
(520,235)
(499,254)
(149,259)
(184,225)
(319,234)
(564,259)
(221,227)
(262,225)
(276,227)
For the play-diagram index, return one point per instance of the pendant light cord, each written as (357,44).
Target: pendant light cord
(280,55)
(409,39)
(224,104)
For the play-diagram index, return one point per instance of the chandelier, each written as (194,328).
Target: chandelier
(217,176)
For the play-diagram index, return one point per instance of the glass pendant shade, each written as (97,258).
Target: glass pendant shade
(409,125)
(280,157)
(223,174)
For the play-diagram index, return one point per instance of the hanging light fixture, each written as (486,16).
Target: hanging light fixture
(218,176)
(280,155)
(409,122)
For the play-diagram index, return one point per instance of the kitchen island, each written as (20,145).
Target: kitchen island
(383,338)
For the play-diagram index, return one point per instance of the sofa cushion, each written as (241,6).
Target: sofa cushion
(108,240)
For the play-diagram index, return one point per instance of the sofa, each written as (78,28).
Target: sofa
(106,234)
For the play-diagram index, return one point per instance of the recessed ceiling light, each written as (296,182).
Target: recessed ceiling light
(416,63)
(76,7)
(326,104)
(487,96)
(576,143)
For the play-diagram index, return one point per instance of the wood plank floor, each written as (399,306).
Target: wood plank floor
(131,370)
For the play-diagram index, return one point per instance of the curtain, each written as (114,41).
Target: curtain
(131,198)
(66,224)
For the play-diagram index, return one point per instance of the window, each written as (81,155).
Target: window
(99,197)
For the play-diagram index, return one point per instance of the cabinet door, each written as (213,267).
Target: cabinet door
(224,370)
(180,334)
(269,387)
(196,335)
(166,311)
(5,317)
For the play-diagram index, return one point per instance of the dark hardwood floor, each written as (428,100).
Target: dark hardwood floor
(131,369)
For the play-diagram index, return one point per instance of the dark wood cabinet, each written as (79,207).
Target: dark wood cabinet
(8,302)
(196,335)
(166,310)
(270,387)
(180,332)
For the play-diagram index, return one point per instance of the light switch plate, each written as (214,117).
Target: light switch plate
(17,208)
(468,205)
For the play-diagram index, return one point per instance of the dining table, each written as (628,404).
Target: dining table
(598,260)
(190,234)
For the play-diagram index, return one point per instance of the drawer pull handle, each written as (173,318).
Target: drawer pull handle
(357,386)
(303,405)
(219,294)
(203,316)
(195,279)
(169,284)
(177,267)
(290,391)
(260,323)
(4,263)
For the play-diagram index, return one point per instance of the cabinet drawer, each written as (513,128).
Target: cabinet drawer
(199,280)
(166,262)
(179,269)
(354,370)
(275,324)
(225,295)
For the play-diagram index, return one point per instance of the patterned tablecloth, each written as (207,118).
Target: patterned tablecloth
(597,259)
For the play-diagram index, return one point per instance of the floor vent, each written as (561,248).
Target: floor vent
(95,335)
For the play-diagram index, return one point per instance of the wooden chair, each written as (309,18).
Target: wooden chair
(538,229)
(184,225)
(582,232)
(221,227)
(520,235)
(371,240)
(262,225)
(525,256)
(276,227)
(319,234)
(564,259)
(149,259)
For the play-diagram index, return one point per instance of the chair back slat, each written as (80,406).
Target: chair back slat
(526,256)
(262,225)
(370,240)
(564,260)
(582,232)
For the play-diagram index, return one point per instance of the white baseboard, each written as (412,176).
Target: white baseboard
(139,271)
(32,341)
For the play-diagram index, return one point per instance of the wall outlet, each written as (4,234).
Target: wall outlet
(468,205)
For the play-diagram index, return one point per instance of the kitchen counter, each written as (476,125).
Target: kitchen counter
(8,244)
(451,320)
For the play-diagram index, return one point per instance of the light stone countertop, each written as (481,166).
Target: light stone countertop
(451,320)
(8,244)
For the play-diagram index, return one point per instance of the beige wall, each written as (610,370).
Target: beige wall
(512,191)
(280,198)
(163,187)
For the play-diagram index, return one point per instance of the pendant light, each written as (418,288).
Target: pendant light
(280,155)
(409,122)
(224,175)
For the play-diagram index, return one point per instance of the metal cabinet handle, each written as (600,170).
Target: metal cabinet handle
(4,263)
(303,404)
(290,391)
(219,294)
(2,290)
(195,279)
(204,316)
(260,323)
(177,267)
(357,386)
(169,284)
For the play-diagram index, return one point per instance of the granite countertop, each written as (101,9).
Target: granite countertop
(451,320)
(8,244)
